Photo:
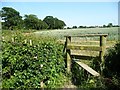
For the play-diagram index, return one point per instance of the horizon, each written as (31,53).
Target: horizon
(72,13)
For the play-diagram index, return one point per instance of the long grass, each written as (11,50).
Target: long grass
(112,32)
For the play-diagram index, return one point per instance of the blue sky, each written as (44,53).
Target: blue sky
(72,13)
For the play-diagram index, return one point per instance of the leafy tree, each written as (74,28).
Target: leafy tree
(32,22)
(54,23)
(82,27)
(61,24)
(50,21)
(11,18)
(68,27)
(74,27)
(110,24)
(42,24)
(104,25)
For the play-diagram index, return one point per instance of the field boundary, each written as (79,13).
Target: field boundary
(101,49)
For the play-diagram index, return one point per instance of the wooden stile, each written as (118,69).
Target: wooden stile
(72,46)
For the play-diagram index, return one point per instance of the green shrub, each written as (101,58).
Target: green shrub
(112,61)
(112,66)
(25,65)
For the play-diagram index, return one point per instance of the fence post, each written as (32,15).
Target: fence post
(102,52)
(30,42)
(13,40)
(25,41)
(68,57)
(42,85)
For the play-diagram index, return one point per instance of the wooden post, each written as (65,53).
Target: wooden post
(42,85)
(12,39)
(31,42)
(3,39)
(68,40)
(102,52)
(25,41)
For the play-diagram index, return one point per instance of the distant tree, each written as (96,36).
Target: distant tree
(59,24)
(49,21)
(74,27)
(68,27)
(91,27)
(104,26)
(82,27)
(32,22)
(115,25)
(11,18)
(54,23)
(42,25)
(110,24)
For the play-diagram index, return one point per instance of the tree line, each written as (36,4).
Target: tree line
(104,26)
(11,19)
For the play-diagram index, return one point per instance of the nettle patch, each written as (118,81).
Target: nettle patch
(26,66)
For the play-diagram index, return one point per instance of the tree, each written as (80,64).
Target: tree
(110,24)
(11,18)
(82,27)
(104,26)
(61,24)
(32,22)
(74,27)
(50,21)
(42,25)
(54,23)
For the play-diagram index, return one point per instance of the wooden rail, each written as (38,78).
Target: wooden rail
(73,46)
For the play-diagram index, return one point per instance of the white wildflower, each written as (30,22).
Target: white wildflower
(41,65)
(35,57)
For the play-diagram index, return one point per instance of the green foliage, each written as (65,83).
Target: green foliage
(111,71)
(54,23)
(74,27)
(109,25)
(79,75)
(12,20)
(32,22)
(112,63)
(11,17)
(25,65)
(84,80)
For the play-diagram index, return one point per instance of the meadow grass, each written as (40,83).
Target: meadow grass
(59,34)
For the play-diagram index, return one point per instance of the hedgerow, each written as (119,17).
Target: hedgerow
(26,66)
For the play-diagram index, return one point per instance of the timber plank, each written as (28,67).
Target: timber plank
(84,47)
(87,68)
(89,35)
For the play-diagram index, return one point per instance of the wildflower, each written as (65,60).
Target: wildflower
(35,57)
(41,65)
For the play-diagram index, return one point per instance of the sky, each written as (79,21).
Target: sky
(72,13)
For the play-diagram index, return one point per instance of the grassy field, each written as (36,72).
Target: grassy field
(113,34)
(59,34)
